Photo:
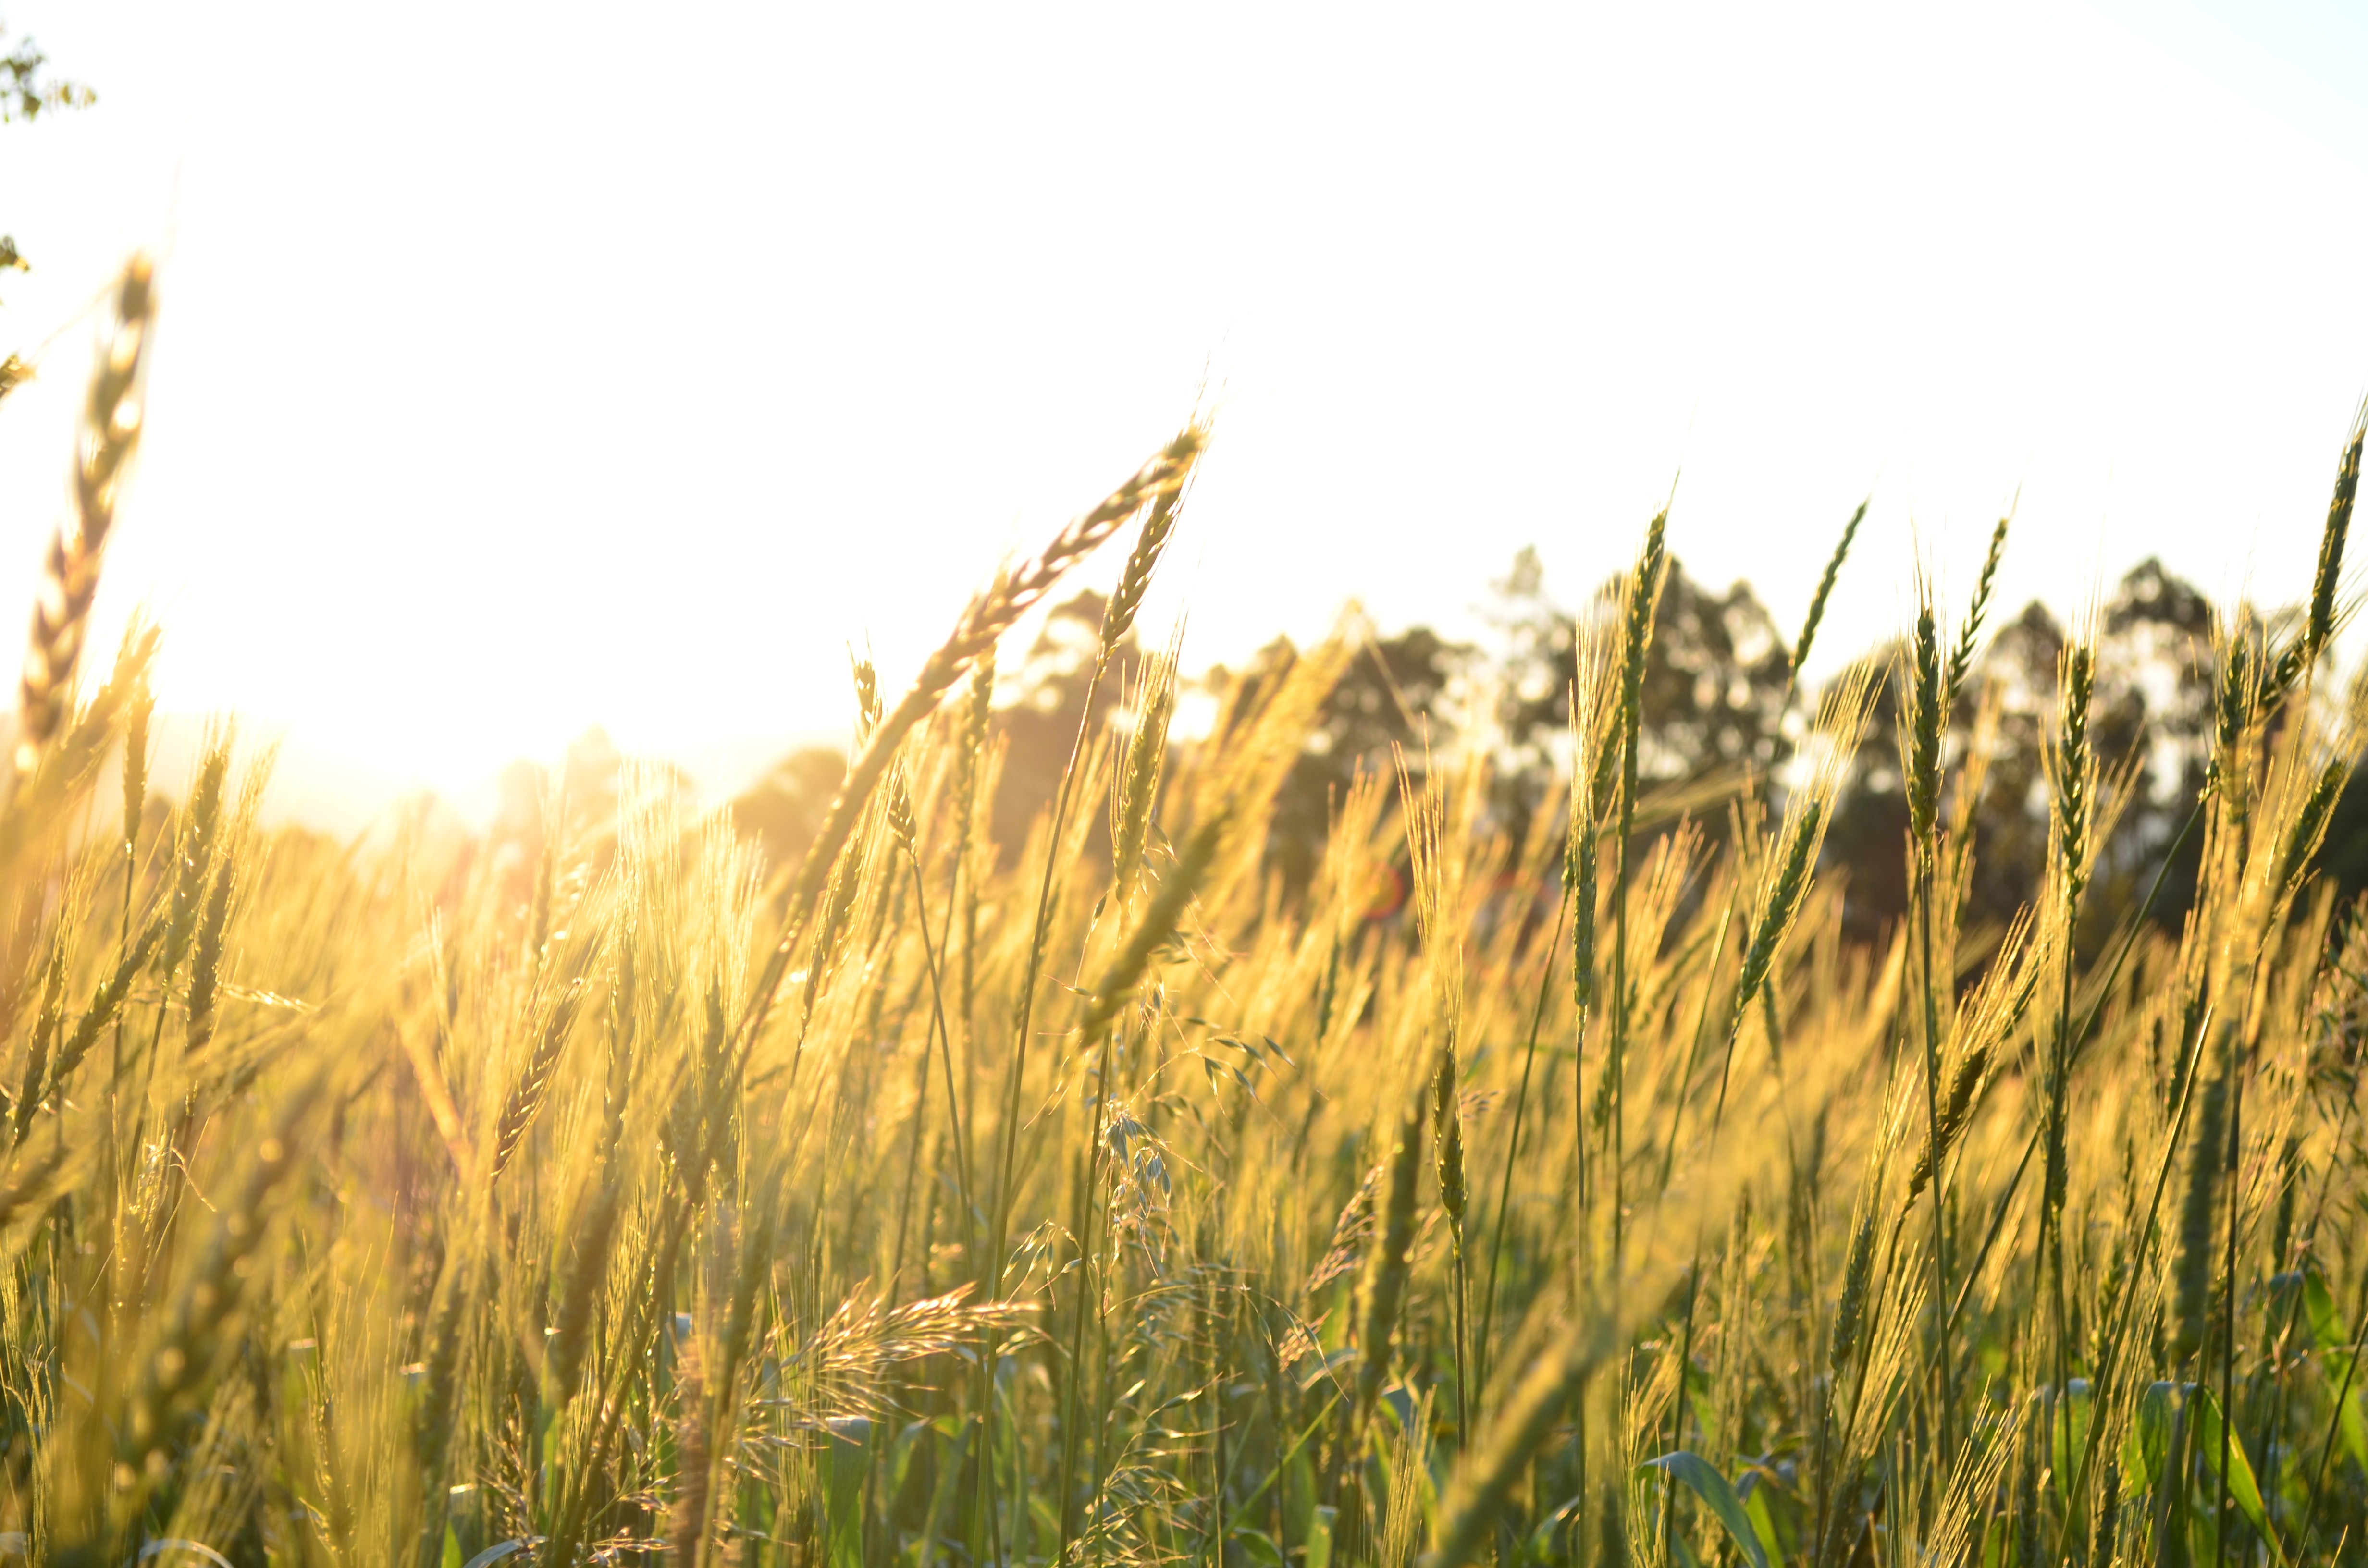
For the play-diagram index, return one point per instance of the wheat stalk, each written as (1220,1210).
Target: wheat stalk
(1833,571)
(110,435)
(980,627)
(552,1031)
(1960,658)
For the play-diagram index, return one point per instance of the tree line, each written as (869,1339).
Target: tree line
(1722,719)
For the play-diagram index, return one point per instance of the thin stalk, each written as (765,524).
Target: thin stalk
(1644,604)
(1693,1047)
(2109,1355)
(998,1225)
(1693,1273)
(2051,1219)
(2335,1419)
(1513,1150)
(2223,1491)
(1291,1453)
(912,1176)
(1086,1294)
(2078,1041)
(1669,1160)
(1615,1135)
(114,1161)
(1940,1270)
(961,1149)
(1216,1545)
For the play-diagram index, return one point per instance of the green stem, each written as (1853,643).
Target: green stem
(998,1230)
(1513,1153)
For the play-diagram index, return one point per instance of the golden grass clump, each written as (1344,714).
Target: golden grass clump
(614,1196)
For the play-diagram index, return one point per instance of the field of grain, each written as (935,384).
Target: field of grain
(606,1194)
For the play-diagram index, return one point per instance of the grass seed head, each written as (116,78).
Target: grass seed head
(1849,1311)
(1134,580)
(582,1282)
(206,960)
(981,624)
(110,430)
(554,1027)
(1135,786)
(106,1002)
(45,1033)
(1960,658)
(135,762)
(1927,721)
(201,824)
(2075,768)
(1385,1269)
(2309,826)
(2199,1208)
(1810,623)
(2319,623)
(1641,600)
(1447,1131)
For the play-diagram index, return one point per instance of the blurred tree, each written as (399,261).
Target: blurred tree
(2153,717)
(1715,682)
(26,92)
(785,808)
(2148,721)
(1044,698)
(1867,838)
(1039,720)
(1716,695)
(1398,692)
(2343,856)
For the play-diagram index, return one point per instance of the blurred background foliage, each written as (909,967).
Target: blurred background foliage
(1719,726)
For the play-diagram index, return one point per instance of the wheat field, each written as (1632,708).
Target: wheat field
(609,1194)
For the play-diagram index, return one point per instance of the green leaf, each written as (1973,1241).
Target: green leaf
(1719,1492)
(1257,1545)
(2318,1304)
(1320,1538)
(2147,1449)
(2067,1428)
(849,1462)
(2334,1343)
(1540,1545)
(2242,1486)
(1763,1521)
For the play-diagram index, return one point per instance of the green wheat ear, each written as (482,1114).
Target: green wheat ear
(1810,623)
(1135,786)
(1928,718)
(1384,1286)
(2199,1208)
(1960,658)
(2075,768)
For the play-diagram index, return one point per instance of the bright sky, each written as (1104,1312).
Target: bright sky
(524,365)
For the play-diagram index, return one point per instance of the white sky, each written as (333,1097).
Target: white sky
(525,365)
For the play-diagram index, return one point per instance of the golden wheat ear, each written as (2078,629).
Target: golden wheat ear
(982,625)
(103,448)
